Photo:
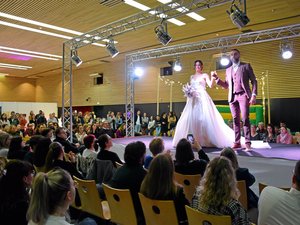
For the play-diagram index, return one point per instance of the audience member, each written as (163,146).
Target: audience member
(33,141)
(105,143)
(284,137)
(218,193)
(16,148)
(14,192)
(270,136)
(131,174)
(253,134)
(277,207)
(53,192)
(185,162)
(61,137)
(40,154)
(156,146)
(5,139)
(89,143)
(242,174)
(159,184)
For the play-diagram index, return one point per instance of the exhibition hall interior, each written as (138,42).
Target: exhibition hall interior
(143,111)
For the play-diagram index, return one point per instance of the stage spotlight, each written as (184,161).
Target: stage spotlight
(75,58)
(224,60)
(237,16)
(177,65)
(161,32)
(111,49)
(286,50)
(138,72)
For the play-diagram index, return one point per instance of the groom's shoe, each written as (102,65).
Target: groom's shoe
(248,147)
(236,145)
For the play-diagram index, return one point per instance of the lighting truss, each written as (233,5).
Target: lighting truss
(131,23)
(142,19)
(279,33)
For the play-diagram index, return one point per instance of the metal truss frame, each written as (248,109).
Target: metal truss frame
(279,33)
(131,23)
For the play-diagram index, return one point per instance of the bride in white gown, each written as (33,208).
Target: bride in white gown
(200,116)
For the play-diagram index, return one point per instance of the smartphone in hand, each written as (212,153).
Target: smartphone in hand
(190,138)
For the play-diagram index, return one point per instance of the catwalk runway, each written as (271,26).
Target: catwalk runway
(260,149)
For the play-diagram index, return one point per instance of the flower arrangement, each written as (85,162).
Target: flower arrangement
(188,90)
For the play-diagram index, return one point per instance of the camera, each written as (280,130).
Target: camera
(190,138)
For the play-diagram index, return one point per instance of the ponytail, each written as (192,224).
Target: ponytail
(49,192)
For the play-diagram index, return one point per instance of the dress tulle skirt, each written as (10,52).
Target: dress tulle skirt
(201,118)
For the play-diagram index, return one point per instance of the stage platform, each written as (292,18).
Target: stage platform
(260,149)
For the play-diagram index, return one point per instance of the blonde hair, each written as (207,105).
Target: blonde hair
(218,186)
(49,193)
(159,181)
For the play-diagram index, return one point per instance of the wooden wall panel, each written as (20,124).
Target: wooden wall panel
(15,89)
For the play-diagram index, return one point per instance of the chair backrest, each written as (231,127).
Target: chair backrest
(90,200)
(196,217)
(121,205)
(243,199)
(158,212)
(189,183)
(261,186)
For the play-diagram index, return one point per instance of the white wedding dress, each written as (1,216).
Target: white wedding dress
(201,118)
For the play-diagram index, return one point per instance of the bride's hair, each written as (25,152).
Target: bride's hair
(199,61)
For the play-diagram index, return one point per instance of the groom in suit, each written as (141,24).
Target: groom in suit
(240,96)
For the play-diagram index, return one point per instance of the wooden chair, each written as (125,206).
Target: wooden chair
(158,212)
(121,205)
(90,200)
(261,186)
(189,183)
(196,217)
(243,199)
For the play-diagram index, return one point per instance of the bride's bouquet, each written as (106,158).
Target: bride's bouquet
(188,90)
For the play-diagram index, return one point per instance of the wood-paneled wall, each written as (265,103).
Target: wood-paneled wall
(15,89)
(284,79)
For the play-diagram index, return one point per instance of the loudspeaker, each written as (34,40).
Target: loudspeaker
(166,71)
(98,80)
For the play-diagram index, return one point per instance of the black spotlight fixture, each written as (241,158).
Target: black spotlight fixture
(237,16)
(111,49)
(161,32)
(75,58)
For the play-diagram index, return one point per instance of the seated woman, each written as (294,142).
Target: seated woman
(16,148)
(156,146)
(218,193)
(5,139)
(105,144)
(55,158)
(159,184)
(14,192)
(131,174)
(242,174)
(284,137)
(270,136)
(53,193)
(253,133)
(185,162)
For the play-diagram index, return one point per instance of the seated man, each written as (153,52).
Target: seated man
(277,206)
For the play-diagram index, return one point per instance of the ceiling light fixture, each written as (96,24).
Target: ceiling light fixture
(111,49)
(161,32)
(14,66)
(33,52)
(237,16)
(30,55)
(286,49)
(75,58)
